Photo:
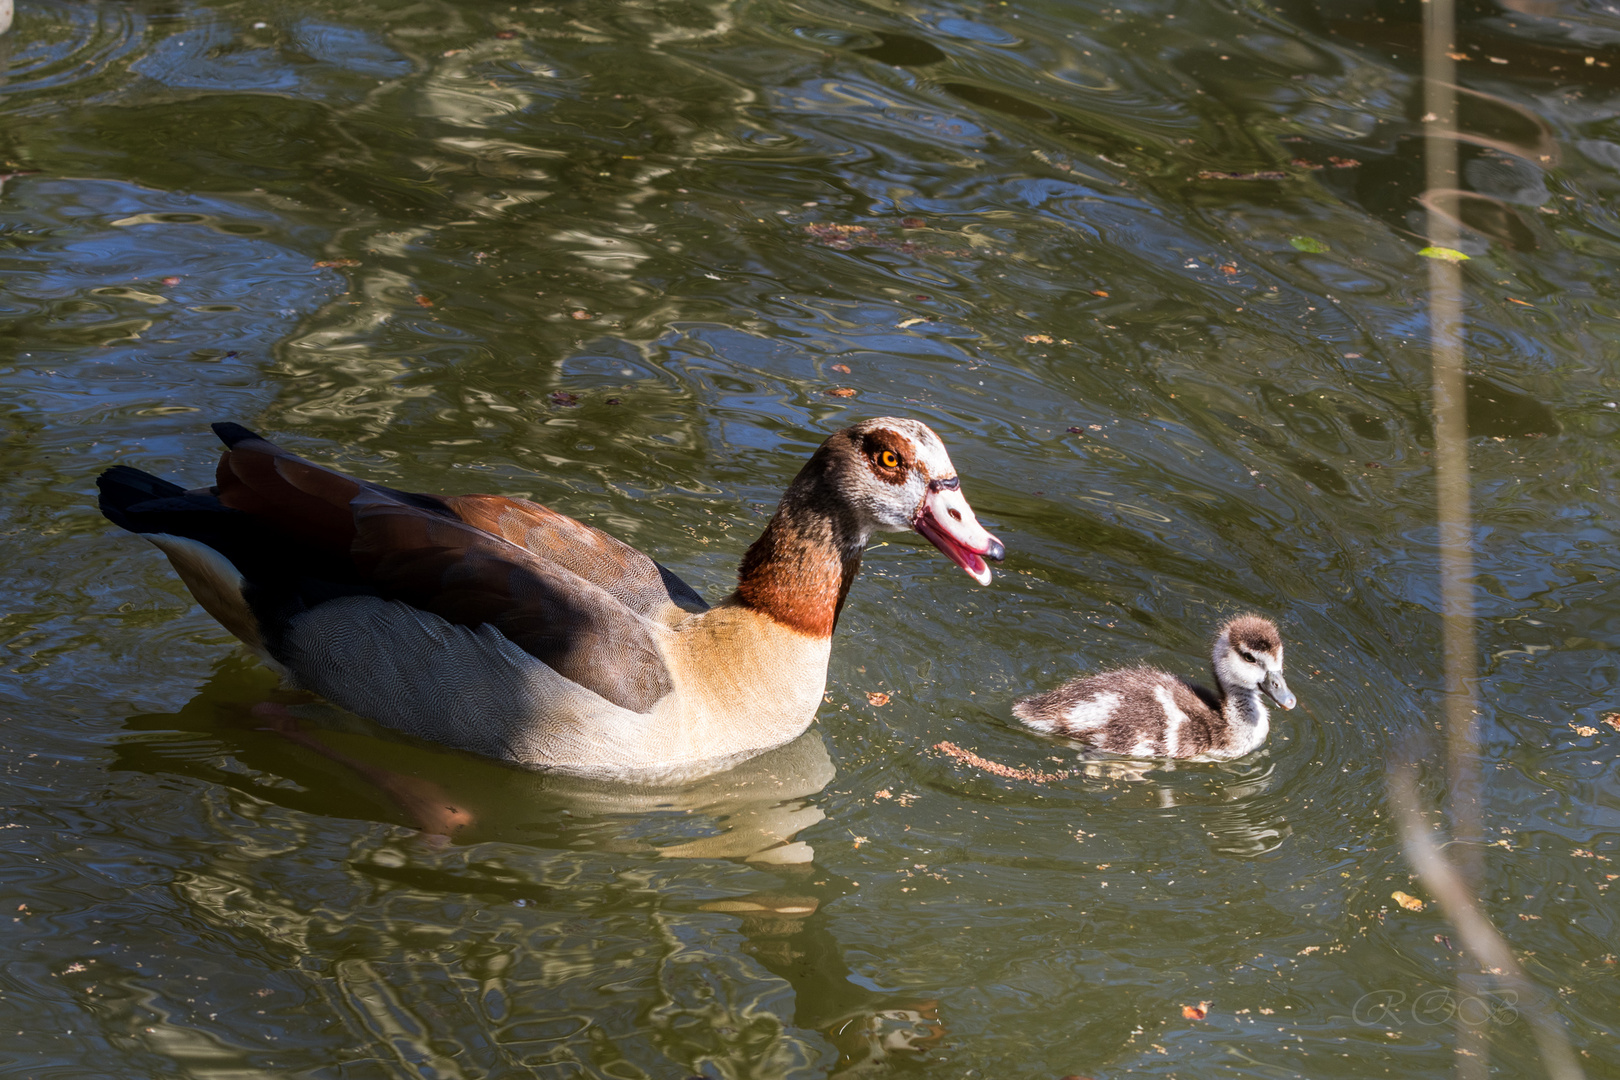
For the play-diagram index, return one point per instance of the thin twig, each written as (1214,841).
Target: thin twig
(1478,936)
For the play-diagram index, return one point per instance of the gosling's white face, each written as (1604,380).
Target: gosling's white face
(1249,656)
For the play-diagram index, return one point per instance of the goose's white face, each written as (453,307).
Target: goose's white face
(1249,655)
(902,478)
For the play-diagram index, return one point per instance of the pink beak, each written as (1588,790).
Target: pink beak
(947,520)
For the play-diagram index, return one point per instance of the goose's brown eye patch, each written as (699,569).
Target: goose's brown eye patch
(886,455)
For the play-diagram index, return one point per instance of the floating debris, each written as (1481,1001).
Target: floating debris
(1263,174)
(968,757)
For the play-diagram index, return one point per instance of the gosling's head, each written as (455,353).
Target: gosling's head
(1249,655)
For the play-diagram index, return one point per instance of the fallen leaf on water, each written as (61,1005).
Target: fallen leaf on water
(912,223)
(840,391)
(859,840)
(1344,162)
(423,301)
(1099,292)
(841,368)
(328,263)
(1307,950)
(1457,55)
(564,399)
(877,698)
(1308,243)
(1195,1012)
(1582,853)
(1077,431)
(171,280)
(1529,918)
(1445,253)
(911,322)
(1521,303)
(1038,339)
(506,35)
(1406,900)
(1613,720)
(879,796)
(580,313)
(1584,731)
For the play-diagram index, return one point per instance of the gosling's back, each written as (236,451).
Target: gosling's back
(1136,712)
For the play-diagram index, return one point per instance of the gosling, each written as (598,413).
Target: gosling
(1143,712)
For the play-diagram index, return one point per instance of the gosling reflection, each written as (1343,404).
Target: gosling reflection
(1242,819)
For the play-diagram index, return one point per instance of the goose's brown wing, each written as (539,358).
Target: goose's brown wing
(467,576)
(565,593)
(630,577)
(312,503)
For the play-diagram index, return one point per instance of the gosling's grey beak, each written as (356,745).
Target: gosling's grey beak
(1277,690)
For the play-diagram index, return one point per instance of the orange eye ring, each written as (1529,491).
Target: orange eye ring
(889,460)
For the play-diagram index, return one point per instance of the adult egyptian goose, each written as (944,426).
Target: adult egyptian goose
(498,626)
(1143,712)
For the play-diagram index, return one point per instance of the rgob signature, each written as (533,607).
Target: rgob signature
(1435,1007)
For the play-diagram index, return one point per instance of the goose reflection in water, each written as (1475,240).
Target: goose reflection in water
(309,757)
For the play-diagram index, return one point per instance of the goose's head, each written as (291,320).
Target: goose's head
(893,474)
(1249,656)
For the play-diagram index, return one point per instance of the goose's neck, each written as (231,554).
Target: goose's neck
(800,569)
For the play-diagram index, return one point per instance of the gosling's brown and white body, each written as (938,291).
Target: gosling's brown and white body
(1143,712)
(498,626)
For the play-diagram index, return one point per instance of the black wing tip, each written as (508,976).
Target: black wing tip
(231,433)
(123,486)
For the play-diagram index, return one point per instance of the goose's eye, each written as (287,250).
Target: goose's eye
(889,459)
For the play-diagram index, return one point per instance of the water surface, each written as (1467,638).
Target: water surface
(1150,269)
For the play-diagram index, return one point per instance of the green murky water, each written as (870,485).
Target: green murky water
(613,256)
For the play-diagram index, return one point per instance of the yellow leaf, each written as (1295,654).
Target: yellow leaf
(1448,254)
(1410,903)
